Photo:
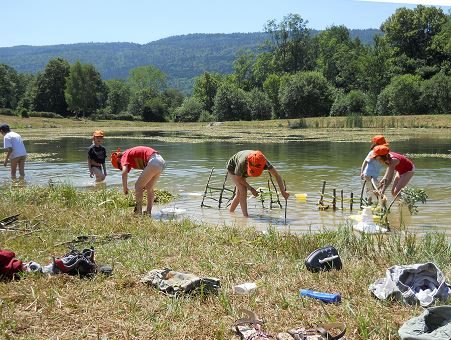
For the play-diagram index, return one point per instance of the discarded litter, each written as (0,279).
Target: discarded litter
(244,288)
(325,297)
(301,197)
(172,211)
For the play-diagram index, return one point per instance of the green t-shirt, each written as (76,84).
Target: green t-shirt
(238,163)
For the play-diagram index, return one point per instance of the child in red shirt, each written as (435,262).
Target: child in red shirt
(152,164)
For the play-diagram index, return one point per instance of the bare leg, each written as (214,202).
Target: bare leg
(14,163)
(22,167)
(240,198)
(146,176)
(401,181)
(98,173)
(150,192)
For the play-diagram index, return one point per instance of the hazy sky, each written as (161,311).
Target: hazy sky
(49,22)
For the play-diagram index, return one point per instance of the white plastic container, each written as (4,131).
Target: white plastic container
(245,288)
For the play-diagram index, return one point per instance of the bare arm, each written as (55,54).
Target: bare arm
(241,180)
(388,176)
(8,153)
(363,168)
(124,179)
(279,180)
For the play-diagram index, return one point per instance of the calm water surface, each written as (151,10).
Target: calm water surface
(303,165)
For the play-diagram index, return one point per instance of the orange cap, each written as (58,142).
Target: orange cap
(380,150)
(115,158)
(256,161)
(98,133)
(379,140)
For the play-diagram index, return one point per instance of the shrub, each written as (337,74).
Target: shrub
(305,94)
(7,112)
(231,103)
(259,104)
(154,110)
(354,102)
(189,111)
(436,94)
(401,96)
(44,114)
(22,112)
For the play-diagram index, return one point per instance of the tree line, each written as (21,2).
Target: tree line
(294,74)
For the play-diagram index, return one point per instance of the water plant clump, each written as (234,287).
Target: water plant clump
(411,196)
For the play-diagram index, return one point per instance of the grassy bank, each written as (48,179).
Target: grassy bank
(120,307)
(271,131)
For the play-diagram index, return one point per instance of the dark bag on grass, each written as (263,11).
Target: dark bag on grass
(433,324)
(326,258)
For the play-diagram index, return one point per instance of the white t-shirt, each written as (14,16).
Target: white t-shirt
(14,140)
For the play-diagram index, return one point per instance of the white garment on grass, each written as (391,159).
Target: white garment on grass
(14,140)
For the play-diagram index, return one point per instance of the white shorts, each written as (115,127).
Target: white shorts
(157,161)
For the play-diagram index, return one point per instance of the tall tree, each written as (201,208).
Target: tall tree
(118,96)
(50,85)
(292,44)
(85,91)
(10,86)
(147,77)
(411,31)
(205,88)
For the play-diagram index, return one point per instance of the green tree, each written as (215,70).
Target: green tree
(242,67)
(118,96)
(154,110)
(147,77)
(354,102)
(436,94)
(139,99)
(85,91)
(11,87)
(262,68)
(291,41)
(411,31)
(305,94)
(172,98)
(231,103)
(190,110)
(259,104)
(271,87)
(205,88)
(50,85)
(401,96)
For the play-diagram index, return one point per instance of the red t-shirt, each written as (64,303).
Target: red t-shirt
(404,164)
(137,157)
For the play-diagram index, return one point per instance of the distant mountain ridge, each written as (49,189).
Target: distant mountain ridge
(182,57)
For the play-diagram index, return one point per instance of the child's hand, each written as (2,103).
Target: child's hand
(254,192)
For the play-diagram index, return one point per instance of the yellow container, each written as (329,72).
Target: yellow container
(301,197)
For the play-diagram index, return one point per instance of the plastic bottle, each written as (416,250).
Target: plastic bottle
(325,297)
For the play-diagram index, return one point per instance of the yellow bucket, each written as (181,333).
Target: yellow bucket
(301,197)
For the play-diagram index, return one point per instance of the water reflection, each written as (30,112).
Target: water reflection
(303,165)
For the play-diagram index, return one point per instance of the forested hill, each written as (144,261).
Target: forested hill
(181,57)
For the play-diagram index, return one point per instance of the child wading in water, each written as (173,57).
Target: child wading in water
(399,166)
(15,151)
(371,168)
(97,156)
(249,163)
(152,164)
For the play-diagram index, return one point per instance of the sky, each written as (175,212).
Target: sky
(52,22)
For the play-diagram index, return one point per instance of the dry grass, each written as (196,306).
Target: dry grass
(271,131)
(64,307)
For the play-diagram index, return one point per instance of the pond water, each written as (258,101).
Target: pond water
(304,165)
